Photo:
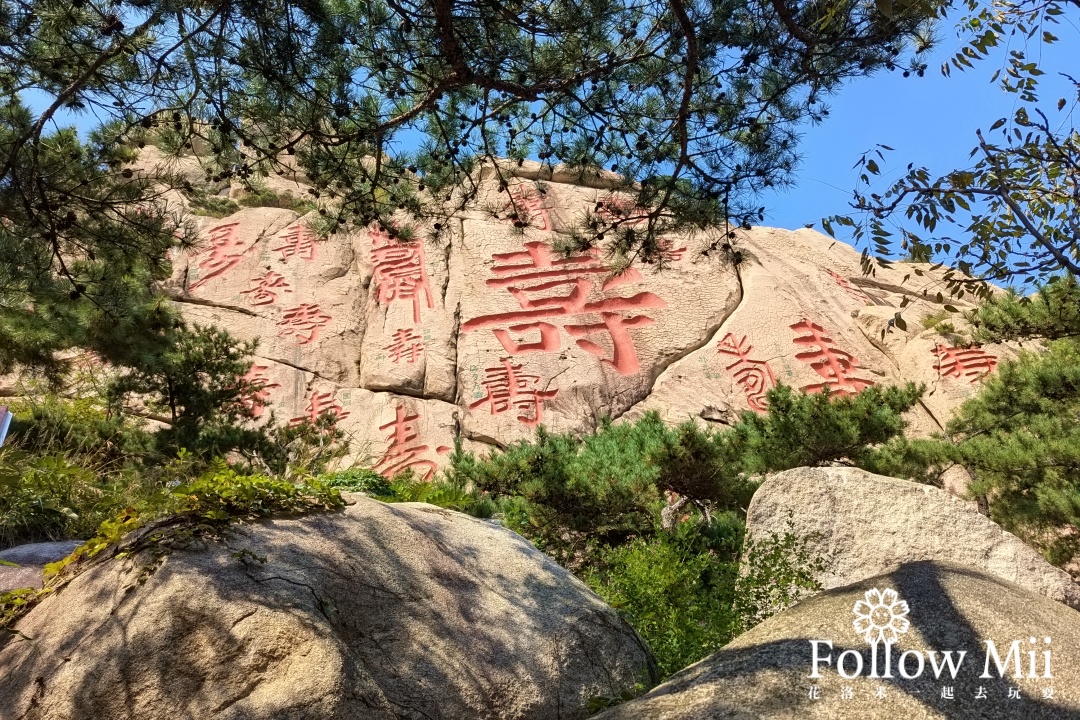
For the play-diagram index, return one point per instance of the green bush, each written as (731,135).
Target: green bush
(225,495)
(213,205)
(50,497)
(776,572)
(360,480)
(79,426)
(574,495)
(261,196)
(691,590)
(676,588)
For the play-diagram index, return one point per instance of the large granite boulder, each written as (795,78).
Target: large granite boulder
(933,608)
(378,611)
(868,523)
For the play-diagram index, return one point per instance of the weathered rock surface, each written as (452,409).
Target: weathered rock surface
(31,559)
(476,324)
(378,611)
(807,317)
(868,523)
(765,673)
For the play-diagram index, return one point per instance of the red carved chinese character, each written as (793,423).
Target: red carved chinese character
(847,287)
(318,404)
(507,386)
(969,362)
(619,209)
(407,344)
(262,290)
(400,271)
(827,361)
(299,241)
(226,250)
(668,251)
(256,401)
(531,274)
(527,205)
(404,452)
(302,323)
(755,377)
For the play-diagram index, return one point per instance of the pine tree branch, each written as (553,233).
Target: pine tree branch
(797,31)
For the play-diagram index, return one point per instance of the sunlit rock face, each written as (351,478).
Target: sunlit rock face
(480,326)
(375,611)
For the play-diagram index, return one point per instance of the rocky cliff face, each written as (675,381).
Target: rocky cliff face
(480,326)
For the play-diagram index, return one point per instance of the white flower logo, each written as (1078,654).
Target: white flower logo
(881,616)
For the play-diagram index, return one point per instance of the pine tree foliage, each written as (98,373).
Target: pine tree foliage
(197,385)
(389,106)
(1019,437)
(80,251)
(1052,313)
(577,493)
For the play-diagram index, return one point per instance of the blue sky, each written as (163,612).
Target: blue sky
(930,121)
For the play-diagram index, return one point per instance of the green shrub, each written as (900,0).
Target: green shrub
(80,426)
(261,196)
(689,591)
(776,572)
(575,495)
(675,588)
(50,497)
(360,480)
(225,495)
(1052,313)
(213,205)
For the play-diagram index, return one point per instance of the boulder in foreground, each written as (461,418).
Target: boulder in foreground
(378,611)
(766,672)
(869,523)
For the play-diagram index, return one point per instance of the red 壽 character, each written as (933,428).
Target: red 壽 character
(302,323)
(407,344)
(614,209)
(968,362)
(262,291)
(668,251)
(404,451)
(827,361)
(847,287)
(755,377)
(526,205)
(299,242)
(508,387)
(532,274)
(225,252)
(318,404)
(256,402)
(400,271)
